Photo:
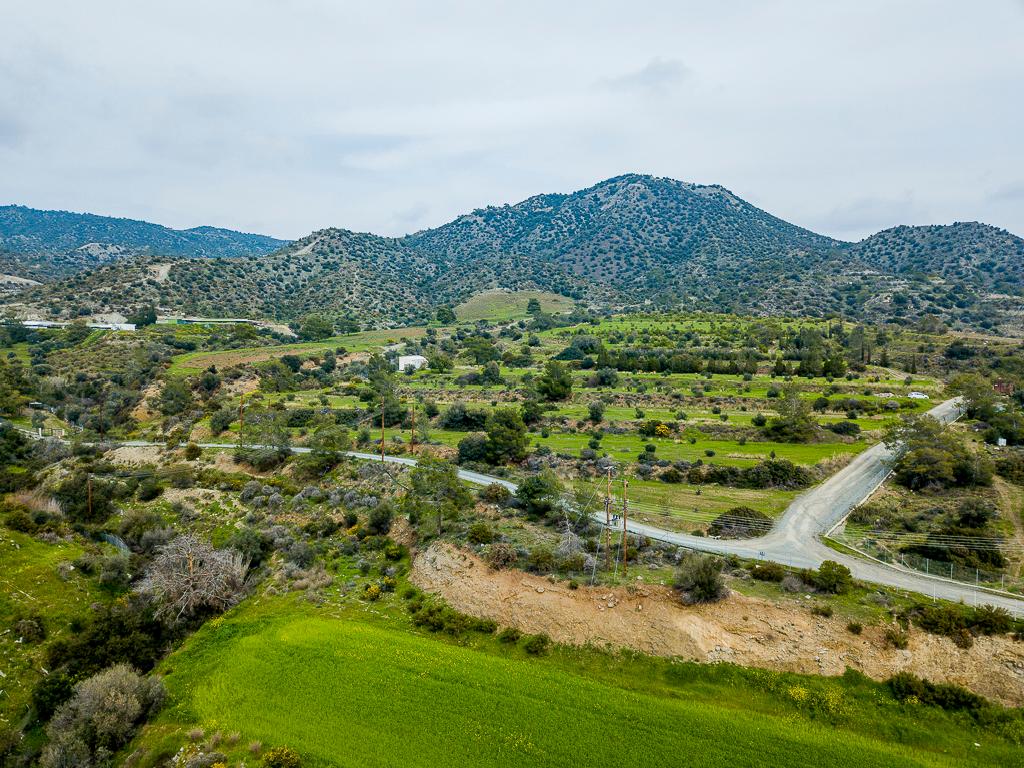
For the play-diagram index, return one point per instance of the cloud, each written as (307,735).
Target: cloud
(1009,192)
(655,76)
(866,215)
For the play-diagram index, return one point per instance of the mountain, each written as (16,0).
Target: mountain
(980,255)
(639,235)
(62,242)
(629,242)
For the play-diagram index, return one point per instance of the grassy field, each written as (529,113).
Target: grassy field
(363,689)
(196,362)
(509,305)
(31,586)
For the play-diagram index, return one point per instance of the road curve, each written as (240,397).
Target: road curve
(795,540)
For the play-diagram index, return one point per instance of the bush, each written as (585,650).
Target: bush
(699,579)
(281,757)
(192,452)
(495,493)
(536,645)
(100,717)
(541,559)
(906,686)
(740,523)
(768,572)
(502,555)
(822,609)
(897,638)
(855,627)
(480,533)
(509,635)
(832,577)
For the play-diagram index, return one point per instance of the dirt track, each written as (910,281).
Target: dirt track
(743,630)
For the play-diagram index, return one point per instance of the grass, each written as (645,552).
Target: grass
(363,689)
(30,585)
(509,305)
(195,362)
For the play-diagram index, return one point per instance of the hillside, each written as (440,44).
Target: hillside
(352,276)
(63,242)
(628,242)
(986,257)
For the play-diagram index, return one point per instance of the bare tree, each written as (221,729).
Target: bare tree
(188,575)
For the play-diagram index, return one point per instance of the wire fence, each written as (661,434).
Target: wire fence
(882,549)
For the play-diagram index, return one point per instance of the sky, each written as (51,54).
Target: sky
(287,116)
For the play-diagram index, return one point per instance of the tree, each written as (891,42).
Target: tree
(540,494)
(435,487)
(596,411)
(506,436)
(833,577)
(555,383)
(445,316)
(188,577)
(533,307)
(315,328)
(145,316)
(175,398)
(980,400)
(794,423)
(221,420)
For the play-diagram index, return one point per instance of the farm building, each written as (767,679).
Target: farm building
(405,362)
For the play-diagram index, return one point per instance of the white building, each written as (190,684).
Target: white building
(414,361)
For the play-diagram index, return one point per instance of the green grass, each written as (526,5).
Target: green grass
(509,305)
(365,690)
(195,362)
(30,585)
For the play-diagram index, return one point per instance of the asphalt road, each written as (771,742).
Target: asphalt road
(795,540)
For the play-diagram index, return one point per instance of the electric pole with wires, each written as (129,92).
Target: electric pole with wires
(625,533)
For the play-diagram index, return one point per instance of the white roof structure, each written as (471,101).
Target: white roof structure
(416,361)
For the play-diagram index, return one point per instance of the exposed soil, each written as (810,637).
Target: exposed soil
(743,630)
(142,412)
(134,456)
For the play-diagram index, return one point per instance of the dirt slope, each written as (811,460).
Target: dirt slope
(743,630)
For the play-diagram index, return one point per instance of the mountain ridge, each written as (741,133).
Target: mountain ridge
(630,241)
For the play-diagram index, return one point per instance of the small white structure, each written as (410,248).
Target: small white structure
(918,396)
(405,362)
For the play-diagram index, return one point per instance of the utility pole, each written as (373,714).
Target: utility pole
(412,439)
(625,516)
(607,518)
(382,428)
(88,486)
(241,418)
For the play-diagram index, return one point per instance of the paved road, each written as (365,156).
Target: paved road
(795,540)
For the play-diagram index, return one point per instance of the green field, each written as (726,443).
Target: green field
(31,586)
(366,690)
(196,362)
(509,305)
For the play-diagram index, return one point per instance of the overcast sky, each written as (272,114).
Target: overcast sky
(284,117)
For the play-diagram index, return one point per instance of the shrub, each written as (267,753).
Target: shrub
(536,645)
(101,717)
(541,559)
(897,638)
(699,579)
(832,577)
(906,686)
(281,757)
(740,523)
(855,627)
(822,609)
(495,493)
(480,533)
(768,572)
(509,635)
(192,452)
(502,555)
